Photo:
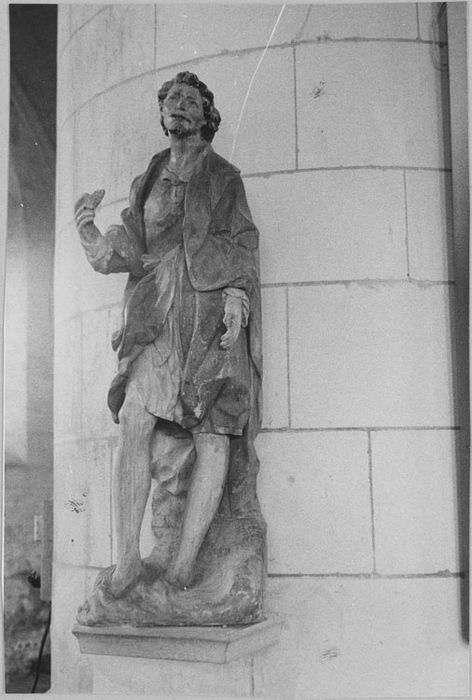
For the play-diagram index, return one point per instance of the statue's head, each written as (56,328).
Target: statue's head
(211,116)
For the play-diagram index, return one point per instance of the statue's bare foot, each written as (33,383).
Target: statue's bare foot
(124,575)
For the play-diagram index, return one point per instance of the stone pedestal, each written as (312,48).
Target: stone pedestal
(173,660)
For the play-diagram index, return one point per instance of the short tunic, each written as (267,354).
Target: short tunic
(155,375)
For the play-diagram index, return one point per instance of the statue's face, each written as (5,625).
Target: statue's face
(182,110)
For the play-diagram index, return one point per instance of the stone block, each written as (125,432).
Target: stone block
(66,172)
(415,501)
(371,355)
(99,367)
(70,189)
(217,645)
(81,13)
(116,45)
(275,382)
(72,272)
(71,671)
(330,226)
(106,289)
(68,594)
(368,104)
(148,676)
(68,379)
(315,496)
(265,138)
(117,133)
(430,233)
(211,29)
(82,504)
(363,20)
(109,290)
(353,638)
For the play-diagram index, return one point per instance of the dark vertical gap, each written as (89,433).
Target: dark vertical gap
(407,239)
(295,116)
(29,273)
(287,342)
(455,138)
(372,502)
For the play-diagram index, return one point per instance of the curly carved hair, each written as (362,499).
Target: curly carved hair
(211,114)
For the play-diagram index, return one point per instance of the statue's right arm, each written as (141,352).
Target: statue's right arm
(108,253)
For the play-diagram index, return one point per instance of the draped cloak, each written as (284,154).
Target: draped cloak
(220,247)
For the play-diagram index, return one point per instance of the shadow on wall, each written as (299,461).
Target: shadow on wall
(459,309)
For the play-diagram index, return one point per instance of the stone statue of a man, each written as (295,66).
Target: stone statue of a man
(187,391)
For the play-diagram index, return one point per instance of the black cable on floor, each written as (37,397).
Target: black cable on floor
(41,649)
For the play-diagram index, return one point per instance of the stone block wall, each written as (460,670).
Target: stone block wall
(343,152)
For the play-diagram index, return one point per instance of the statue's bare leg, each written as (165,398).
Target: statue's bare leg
(131,487)
(203,497)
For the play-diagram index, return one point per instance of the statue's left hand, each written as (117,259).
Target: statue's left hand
(84,209)
(232,319)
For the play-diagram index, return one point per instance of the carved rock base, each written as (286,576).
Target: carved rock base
(227,589)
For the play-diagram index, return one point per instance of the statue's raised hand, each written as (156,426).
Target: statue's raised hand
(84,210)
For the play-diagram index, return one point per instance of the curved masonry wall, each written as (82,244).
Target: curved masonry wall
(348,176)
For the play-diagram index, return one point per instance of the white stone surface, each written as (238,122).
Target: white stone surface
(415,501)
(81,13)
(329,225)
(370,355)
(71,272)
(368,104)
(68,665)
(118,132)
(99,366)
(366,20)
(315,496)
(63,30)
(275,383)
(68,379)
(71,18)
(110,208)
(430,233)
(352,638)
(149,676)
(96,45)
(194,34)
(66,172)
(266,135)
(82,504)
